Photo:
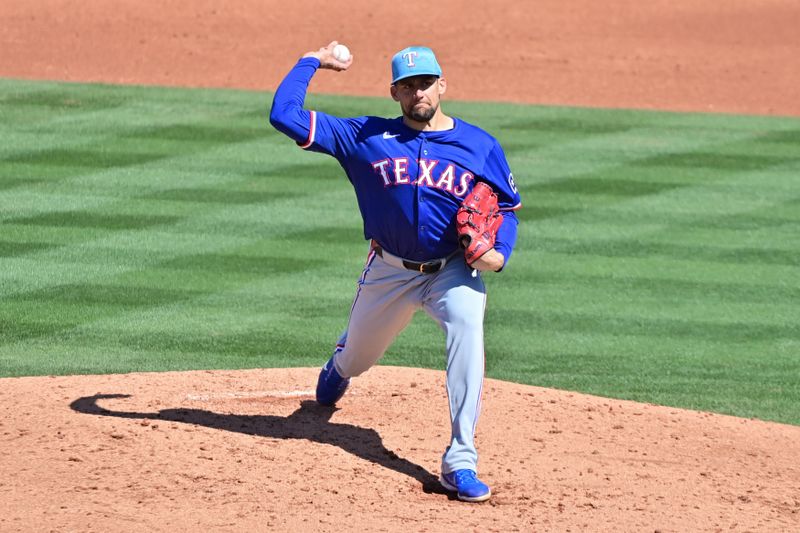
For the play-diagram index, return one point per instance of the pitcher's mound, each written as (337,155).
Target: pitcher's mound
(251,451)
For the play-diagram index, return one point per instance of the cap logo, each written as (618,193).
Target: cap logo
(414,61)
(409,57)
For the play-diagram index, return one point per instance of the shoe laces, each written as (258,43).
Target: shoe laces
(467,477)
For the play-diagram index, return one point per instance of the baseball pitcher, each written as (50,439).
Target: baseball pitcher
(437,199)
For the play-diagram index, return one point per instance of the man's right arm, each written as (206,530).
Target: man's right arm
(287,114)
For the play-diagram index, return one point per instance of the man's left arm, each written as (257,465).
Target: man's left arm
(497,174)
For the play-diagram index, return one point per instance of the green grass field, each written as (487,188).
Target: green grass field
(146,229)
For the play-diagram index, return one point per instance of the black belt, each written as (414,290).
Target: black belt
(428,267)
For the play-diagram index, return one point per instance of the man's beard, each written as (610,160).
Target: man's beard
(422,115)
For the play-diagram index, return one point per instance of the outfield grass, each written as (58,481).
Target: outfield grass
(152,229)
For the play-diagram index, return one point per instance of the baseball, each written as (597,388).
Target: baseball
(341,53)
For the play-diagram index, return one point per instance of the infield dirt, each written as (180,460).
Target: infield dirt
(249,450)
(735,56)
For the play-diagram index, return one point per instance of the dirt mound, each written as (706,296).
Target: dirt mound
(250,451)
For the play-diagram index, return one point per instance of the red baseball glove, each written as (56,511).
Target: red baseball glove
(477,222)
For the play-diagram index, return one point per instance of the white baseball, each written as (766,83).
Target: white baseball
(341,53)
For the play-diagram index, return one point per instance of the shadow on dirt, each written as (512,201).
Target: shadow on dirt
(310,421)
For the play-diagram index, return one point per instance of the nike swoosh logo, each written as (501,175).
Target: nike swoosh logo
(387,136)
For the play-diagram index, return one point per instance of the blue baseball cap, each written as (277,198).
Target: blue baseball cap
(414,61)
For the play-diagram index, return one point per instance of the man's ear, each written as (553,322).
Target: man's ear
(442,85)
(393,91)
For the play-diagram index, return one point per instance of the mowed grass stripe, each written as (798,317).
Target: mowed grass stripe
(643,248)
(55,312)
(254,346)
(578,322)
(656,268)
(658,289)
(96,294)
(11,248)
(175,228)
(87,219)
(719,160)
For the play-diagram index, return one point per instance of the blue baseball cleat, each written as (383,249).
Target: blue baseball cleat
(330,385)
(467,484)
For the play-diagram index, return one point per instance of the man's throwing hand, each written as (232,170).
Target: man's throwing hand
(328,60)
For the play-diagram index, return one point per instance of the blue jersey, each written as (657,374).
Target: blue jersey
(408,183)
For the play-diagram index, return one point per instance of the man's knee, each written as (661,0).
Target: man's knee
(464,320)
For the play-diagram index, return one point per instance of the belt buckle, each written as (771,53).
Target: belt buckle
(434,266)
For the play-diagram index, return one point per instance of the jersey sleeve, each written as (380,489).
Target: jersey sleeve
(311,130)
(507,235)
(497,173)
(331,135)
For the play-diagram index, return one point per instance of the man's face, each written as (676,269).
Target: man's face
(419,96)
